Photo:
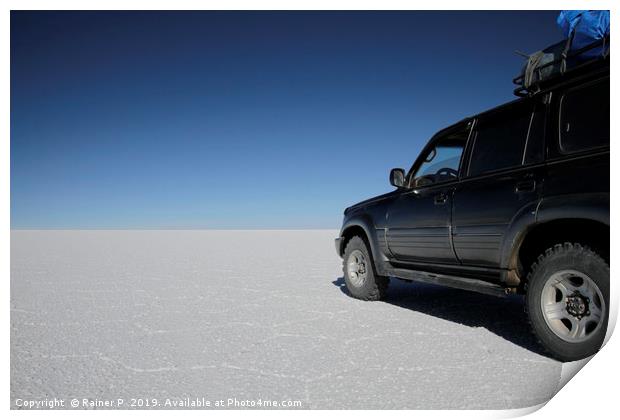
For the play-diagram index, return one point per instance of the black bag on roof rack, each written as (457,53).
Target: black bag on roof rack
(543,64)
(556,60)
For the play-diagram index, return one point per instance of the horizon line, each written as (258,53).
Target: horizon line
(213,229)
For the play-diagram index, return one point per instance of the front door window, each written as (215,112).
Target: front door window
(442,162)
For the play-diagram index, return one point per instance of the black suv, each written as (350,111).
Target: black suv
(513,200)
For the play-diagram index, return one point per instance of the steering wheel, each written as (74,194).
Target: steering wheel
(452,173)
(425,180)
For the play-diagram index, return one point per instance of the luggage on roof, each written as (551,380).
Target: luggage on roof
(587,40)
(584,27)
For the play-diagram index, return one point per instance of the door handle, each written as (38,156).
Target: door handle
(441,199)
(528,185)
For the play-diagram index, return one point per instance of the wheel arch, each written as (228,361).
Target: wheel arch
(362,226)
(565,218)
(541,236)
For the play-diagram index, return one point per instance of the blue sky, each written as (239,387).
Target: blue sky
(240,120)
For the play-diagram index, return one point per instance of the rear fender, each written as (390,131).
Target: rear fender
(593,207)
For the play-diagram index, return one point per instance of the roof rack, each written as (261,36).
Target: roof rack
(562,61)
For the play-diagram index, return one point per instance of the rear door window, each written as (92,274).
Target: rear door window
(500,140)
(584,117)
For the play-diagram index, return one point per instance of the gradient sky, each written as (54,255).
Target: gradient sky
(240,120)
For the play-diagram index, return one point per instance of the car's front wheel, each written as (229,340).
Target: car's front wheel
(359,275)
(568,301)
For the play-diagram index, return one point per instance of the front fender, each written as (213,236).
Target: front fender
(366,223)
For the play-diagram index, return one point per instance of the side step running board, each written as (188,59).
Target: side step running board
(450,281)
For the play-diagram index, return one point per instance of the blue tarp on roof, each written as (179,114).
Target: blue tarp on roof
(588,26)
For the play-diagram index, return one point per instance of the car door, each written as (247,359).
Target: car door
(418,221)
(503,181)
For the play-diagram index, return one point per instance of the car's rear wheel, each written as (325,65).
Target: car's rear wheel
(568,301)
(359,273)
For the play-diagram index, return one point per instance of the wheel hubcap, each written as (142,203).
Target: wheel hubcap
(577,305)
(357,268)
(572,305)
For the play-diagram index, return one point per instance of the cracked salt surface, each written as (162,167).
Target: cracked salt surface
(253,314)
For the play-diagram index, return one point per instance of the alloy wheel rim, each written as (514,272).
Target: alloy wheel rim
(357,268)
(572,305)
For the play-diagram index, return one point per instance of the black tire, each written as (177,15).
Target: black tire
(373,287)
(567,258)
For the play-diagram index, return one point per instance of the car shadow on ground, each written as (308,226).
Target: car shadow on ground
(502,316)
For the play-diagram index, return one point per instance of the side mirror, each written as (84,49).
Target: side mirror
(397,177)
